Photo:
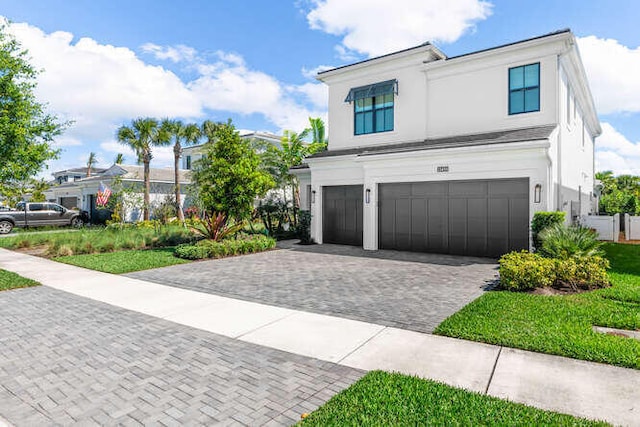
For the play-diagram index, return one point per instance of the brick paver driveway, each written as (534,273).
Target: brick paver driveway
(401,289)
(66,359)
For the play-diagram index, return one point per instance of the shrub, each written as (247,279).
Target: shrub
(582,273)
(542,220)
(304,227)
(522,271)
(563,242)
(228,247)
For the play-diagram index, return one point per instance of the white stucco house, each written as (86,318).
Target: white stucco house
(194,152)
(82,193)
(453,154)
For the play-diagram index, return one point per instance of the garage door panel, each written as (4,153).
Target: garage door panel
(477,217)
(468,188)
(518,224)
(508,187)
(342,215)
(498,232)
(418,241)
(437,232)
(484,217)
(457,226)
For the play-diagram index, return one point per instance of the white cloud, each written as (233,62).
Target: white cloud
(311,73)
(177,53)
(616,153)
(376,27)
(316,93)
(99,87)
(613,71)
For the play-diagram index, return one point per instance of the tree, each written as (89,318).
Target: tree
(141,137)
(292,151)
(26,130)
(91,161)
(229,177)
(620,194)
(16,190)
(119,159)
(182,135)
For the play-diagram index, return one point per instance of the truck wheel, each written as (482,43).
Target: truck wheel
(5,227)
(77,222)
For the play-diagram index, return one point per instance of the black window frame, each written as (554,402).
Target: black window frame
(524,88)
(373,112)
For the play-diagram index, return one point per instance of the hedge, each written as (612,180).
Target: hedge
(228,247)
(542,220)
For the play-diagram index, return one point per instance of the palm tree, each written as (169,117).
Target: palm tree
(119,159)
(141,137)
(91,162)
(182,135)
(318,132)
(208,129)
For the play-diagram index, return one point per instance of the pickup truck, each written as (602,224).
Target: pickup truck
(40,214)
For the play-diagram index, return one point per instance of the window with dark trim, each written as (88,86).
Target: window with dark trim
(524,89)
(373,107)
(187,162)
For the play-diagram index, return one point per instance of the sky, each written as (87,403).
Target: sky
(106,62)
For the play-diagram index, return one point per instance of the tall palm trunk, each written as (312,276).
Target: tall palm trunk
(177,150)
(147,186)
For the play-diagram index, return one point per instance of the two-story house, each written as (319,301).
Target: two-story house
(192,153)
(453,154)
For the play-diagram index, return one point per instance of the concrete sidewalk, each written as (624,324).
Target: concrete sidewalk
(571,386)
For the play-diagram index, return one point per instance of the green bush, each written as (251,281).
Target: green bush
(228,247)
(523,271)
(582,273)
(542,220)
(562,242)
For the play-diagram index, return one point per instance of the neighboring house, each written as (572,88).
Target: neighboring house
(453,155)
(192,153)
(85,190)
(74,174)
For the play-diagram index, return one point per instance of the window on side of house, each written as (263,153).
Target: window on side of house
(187,162)
(373,107)
(524,89)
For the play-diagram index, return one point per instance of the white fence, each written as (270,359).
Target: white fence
(607,227)
(631,227)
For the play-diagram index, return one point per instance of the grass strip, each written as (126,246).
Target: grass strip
(124,261)
(561,325)
(382,398)
(10,280)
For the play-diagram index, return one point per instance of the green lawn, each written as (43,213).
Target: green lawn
(562,325)
(124,261)
(9,280)
(382,398)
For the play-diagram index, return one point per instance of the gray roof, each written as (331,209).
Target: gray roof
(489,138)
(136,173)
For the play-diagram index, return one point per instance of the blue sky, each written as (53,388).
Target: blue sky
(107,62)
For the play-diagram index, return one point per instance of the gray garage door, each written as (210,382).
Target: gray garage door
(480,218)
(342,215)
(69,202)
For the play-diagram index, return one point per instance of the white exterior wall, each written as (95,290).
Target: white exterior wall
(527,160)
(575,167)
(409,104)
(473,97)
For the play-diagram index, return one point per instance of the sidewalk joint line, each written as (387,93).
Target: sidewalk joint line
(493,371)
(239,337)
(339,362)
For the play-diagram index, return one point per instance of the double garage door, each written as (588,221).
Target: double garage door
(480,217)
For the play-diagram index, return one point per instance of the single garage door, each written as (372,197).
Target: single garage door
(69,202)
(479,218)
(342,214)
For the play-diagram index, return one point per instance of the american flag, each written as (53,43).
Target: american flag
(103,195)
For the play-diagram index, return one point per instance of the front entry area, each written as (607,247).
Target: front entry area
(342,214)
(478,218)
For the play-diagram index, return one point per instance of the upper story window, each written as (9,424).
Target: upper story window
(187,162)
(524,89)
(373,107)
